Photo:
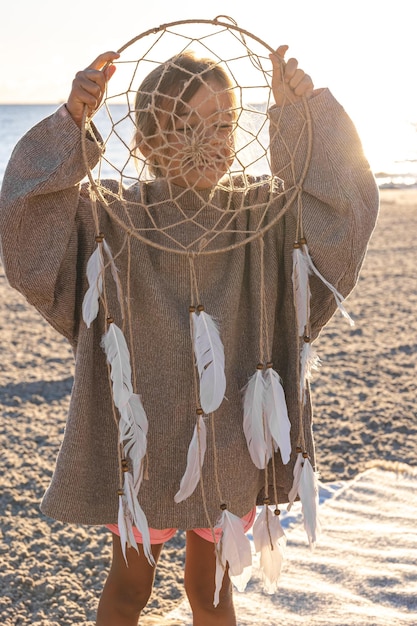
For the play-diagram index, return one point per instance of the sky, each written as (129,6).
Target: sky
(364,50)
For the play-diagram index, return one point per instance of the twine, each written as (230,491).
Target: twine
(205,243)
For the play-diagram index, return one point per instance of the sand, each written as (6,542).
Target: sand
(365,412)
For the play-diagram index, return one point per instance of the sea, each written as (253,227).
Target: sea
(398,172)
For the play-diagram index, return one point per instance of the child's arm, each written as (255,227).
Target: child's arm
(46,226)
(340,197)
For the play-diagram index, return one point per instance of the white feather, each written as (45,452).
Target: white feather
(219,576)
(138,516)
(133,430)
(309,360)
(95,269)
(195,460)
(293,493)
(337,296)
(115,273)
(309,495)
(269,540)
(124,523)
(276,414)
(117,352)
(258,441)
(235,550)
(301,289)
(209,354)
(95,274)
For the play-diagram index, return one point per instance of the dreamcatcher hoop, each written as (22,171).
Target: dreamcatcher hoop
(221,25)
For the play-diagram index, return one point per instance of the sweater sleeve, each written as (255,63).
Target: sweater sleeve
(340,197)
(44,217)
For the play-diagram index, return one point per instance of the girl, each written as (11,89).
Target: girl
(48,234)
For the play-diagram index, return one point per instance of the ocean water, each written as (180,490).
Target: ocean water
(399,170)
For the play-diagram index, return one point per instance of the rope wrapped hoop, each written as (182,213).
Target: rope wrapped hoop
(246,59)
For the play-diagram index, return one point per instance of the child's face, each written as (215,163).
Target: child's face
(197,149)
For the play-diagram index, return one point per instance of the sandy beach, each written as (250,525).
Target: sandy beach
(365,391)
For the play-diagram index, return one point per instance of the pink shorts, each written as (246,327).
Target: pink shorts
(161,536)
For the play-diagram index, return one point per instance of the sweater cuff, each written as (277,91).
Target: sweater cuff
(284,115)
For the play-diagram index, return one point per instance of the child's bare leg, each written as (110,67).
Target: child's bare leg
(199,579)
(127,589)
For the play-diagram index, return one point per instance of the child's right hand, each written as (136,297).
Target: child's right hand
(88,86)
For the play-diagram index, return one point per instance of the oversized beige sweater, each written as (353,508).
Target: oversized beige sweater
(47,237)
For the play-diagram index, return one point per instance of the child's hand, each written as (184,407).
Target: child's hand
(88,86)
(289,82)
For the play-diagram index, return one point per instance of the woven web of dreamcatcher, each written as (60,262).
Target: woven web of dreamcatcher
(229,146)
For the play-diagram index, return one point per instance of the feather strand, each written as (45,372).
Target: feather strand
(236,551)
(115,273)
(95,269)
(293,493)
(117,352)
(258,441)
(337,296)
(309,361)
(195,460)
(133,431)
(138,516)
(301,289)
(124,522)
(309,496)
(209,354)
(276,414)
(269,540)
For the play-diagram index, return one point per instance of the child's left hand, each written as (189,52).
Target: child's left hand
(289,83)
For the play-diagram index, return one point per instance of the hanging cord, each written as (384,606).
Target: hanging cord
(265,333)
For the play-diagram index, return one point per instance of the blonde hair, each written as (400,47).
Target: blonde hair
(168,88)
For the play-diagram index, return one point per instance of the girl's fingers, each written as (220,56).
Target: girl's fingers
(305,87)
(280,51)
(102,59)
(89,85)
(92,81)
(93,72)
(296,79)
(291,67)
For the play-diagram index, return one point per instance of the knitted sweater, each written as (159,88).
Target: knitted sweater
(47,236)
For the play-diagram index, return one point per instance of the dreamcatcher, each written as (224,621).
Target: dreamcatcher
(201,138)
